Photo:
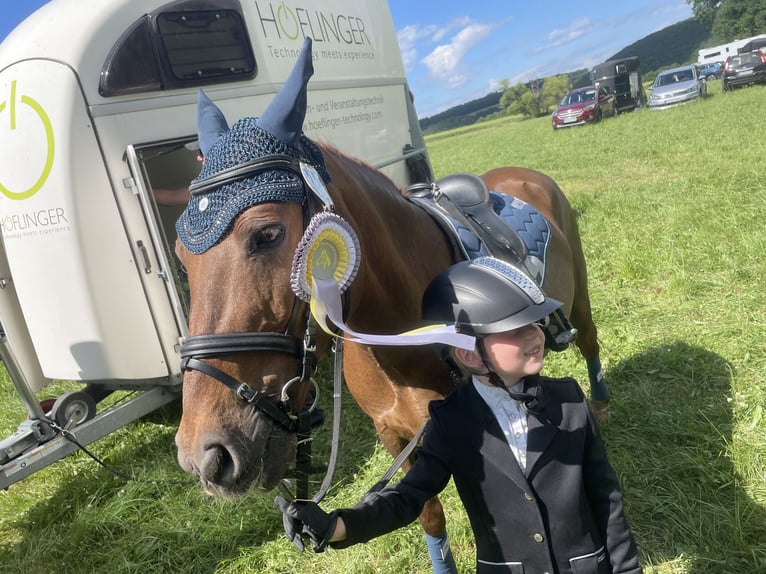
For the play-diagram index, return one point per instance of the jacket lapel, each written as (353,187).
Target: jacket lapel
(541,427)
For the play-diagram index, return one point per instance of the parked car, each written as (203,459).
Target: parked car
(744,69)
(677,86)
(710,71)
(583,106)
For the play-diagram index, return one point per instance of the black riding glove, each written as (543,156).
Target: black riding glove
(292,526)
(304,518)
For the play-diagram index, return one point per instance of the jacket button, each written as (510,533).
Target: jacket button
(537,537)
(527,496)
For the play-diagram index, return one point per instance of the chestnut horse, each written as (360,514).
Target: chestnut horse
(240,283)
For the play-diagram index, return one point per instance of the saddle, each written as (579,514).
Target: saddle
(463,204)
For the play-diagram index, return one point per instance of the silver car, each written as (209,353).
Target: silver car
(677,86)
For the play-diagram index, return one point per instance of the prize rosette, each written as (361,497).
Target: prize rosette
(326,262)
(329,249)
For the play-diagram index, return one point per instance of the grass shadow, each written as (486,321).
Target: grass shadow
(672,443)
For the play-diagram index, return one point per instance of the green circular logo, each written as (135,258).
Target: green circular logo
(47,127)
(283,12)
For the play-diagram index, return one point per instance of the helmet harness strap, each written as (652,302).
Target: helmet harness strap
(529,402)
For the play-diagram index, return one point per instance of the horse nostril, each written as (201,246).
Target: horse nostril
(217,466)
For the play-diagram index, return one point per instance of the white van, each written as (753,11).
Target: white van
(97,103)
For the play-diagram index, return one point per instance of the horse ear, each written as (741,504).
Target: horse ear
(283,117)
(211,123)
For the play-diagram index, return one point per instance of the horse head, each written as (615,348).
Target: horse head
(237,237)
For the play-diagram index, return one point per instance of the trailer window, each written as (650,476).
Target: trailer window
(183,44)
(205,45)
(131,66)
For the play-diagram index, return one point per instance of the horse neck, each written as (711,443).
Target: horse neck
(401,247)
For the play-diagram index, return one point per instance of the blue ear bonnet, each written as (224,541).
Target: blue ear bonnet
(208,217)
(210,214)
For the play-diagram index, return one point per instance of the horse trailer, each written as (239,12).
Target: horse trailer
(96,117)
(623,79)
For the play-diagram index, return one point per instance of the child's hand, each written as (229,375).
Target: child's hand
(305,518)
(292,526)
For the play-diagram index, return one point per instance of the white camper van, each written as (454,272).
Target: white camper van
(720,53)
(97,106)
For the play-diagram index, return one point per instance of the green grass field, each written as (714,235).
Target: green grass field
(672,212)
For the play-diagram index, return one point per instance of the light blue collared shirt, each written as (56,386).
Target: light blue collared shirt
(510,415)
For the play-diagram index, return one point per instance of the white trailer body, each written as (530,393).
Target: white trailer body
(97,102)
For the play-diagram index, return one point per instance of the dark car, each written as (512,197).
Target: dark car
(744,69)
(711,71)
(582,106)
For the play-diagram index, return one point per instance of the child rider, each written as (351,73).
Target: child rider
(523,449)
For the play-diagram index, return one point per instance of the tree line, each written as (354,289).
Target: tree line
(730,19)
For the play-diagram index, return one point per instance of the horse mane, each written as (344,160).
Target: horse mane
(357,168)
(403,248)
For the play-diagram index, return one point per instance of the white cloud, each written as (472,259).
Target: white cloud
(408,38)
(559,37)
(444,61)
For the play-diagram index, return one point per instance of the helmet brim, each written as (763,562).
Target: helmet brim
(531,314)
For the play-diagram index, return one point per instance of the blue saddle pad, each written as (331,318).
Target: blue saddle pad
(533,229)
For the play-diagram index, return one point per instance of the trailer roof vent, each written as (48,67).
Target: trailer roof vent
(183,44)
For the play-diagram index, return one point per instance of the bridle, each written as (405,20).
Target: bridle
(196,349)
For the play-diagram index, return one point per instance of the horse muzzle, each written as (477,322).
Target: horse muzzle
(228,462)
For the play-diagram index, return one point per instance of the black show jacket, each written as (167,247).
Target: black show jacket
(565,516)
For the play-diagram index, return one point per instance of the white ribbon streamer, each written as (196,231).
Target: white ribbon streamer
(326,307)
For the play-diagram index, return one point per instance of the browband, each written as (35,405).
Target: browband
(252,167)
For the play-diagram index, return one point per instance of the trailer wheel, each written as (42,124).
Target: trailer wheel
(73,408)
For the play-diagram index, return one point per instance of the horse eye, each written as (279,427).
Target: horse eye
(267,237)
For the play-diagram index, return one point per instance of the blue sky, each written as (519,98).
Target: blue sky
(458,51)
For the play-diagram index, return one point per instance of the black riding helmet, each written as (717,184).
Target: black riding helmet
(484,296)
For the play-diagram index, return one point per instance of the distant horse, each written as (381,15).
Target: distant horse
(240,284)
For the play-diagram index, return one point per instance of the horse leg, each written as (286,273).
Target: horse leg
(587,341)
(434,526)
